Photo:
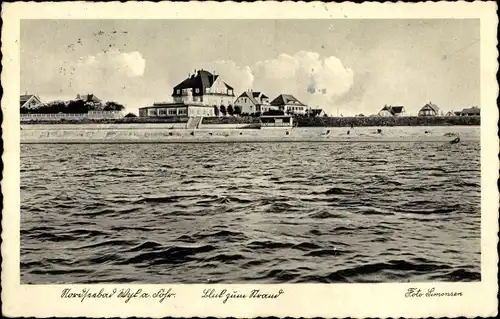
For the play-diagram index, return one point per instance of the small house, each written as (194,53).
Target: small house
(29,101)
(429,109)
(389,110)
(253,102)
(473,111)
(289,104)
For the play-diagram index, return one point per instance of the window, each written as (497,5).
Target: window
(197,90)
(230,92)
(161,111)
(178,91)
(181,111)
(207,90)
(172,111)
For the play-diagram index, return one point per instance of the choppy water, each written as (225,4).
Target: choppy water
(198,213)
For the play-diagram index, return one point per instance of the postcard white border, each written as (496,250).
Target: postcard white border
(306,300)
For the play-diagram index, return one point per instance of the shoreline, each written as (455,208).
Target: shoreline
(137,134)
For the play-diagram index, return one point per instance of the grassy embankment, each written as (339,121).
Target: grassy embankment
(301,121)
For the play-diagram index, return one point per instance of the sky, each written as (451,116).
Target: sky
(342,66)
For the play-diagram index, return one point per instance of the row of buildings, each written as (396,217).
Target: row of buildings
(428,109)
(201,92)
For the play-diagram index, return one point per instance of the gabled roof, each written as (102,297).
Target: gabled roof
(393,109)
(253,96)
(202,80)
(433,107)
(24,98)
(472,110)
(286,99)
(88,97)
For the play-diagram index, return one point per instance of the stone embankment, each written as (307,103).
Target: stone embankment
(165,133)
(254,122)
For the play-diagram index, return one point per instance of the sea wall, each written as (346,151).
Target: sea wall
(124,120)
(237,122)
(163,133)
(388,121)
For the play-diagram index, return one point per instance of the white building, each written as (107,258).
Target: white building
(193,109)
(204,87)
(29,101)
(253,102)
(289,104)
(389,110)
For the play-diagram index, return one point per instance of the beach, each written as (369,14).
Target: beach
(164,133)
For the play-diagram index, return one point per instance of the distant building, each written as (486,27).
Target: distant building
(196,96)
(389,110)
(473,111)
(451,113)
(204,87)
(252,102)
(289,104)
(315,112)
(429,110)
(192,109)
(89,98)
(29,101)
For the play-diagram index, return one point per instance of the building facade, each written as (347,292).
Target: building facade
(429,110)
(253,102)
(289,104)
(192,109)
(204,87)
(29,101)
(389,110)
(473,111)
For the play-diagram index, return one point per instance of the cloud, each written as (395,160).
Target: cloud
(112,63)
(240,78)
(313,79)
(112,75)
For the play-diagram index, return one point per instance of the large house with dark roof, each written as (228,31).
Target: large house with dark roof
(429,109)
(389,110)
(196,96)
(204,87)
(289,104)
(253,102)
(29,101)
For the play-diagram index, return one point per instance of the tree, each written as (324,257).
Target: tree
(113,106)
(223,110)
(76,106)
(130,115)
(216,111)
(230,110)
(237,110)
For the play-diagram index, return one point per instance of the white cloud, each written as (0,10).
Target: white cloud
(113,63)
(112,75)
(313,79)
(240,78)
